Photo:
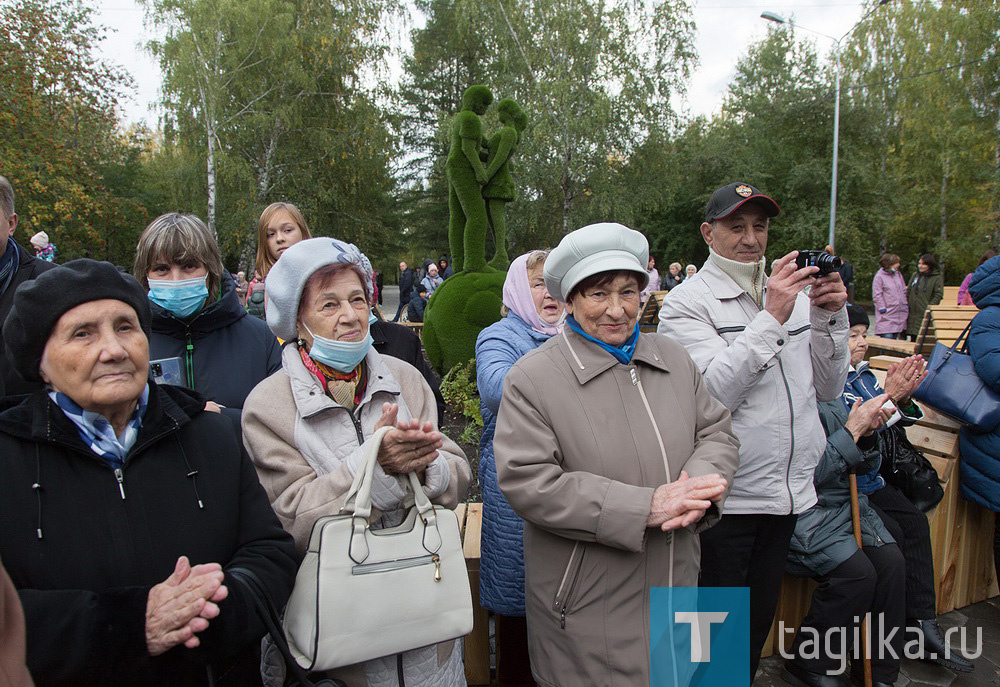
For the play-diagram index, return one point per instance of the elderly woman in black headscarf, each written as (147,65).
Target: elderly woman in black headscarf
(127,511)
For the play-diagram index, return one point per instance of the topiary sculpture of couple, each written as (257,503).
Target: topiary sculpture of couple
(477,194)
(479,186)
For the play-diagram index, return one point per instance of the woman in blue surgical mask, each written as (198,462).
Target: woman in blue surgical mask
(202,337)
(306,428)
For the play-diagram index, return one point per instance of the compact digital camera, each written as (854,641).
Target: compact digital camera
(826,263)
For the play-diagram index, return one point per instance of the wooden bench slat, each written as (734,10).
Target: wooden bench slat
(473,531)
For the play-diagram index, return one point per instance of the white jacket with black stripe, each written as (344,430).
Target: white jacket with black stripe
(769,375)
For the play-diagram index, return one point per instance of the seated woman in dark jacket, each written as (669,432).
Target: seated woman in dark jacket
(906,523)
(126,509)
(197,316)
(853,580)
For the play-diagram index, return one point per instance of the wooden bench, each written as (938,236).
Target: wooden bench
(961,532)
(650,312)
(950,296)
(879,344)
(477,642)
(943,324)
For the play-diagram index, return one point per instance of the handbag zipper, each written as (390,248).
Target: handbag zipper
(400,564)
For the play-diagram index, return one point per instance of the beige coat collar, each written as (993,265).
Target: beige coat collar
(588,360)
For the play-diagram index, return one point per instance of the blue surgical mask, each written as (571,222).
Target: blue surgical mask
(372,319)
(183,298)
(342,356)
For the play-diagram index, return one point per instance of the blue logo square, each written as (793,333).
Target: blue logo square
(699,637)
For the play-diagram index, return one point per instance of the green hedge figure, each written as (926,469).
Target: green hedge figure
(466,177)
(500,189)
(458,310)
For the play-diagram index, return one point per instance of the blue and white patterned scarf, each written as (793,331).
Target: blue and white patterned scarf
(97,433)
(8,264)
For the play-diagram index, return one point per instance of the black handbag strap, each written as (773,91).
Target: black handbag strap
(265,608)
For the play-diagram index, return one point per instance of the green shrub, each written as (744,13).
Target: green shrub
(461,393)
(459,309)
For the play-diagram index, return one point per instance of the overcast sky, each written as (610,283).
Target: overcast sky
(724,30)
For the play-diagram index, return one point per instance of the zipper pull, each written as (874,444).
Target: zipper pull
(437,567)
(635,376)
(562,618)
(121,481)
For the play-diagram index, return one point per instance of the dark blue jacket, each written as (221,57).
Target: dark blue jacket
(980,459)
(406,281)
(231,351)
(862,385)
(415,310)
(501,568)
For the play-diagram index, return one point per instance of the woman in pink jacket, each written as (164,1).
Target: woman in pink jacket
(889,294)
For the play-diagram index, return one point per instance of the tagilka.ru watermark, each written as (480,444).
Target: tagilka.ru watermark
(880,642)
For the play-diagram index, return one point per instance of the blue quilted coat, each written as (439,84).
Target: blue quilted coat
(501,568)
(980,463)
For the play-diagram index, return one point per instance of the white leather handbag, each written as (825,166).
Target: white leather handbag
(362,593)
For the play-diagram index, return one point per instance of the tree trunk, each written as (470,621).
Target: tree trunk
(944,197)
(211,186)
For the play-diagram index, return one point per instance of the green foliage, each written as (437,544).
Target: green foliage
(74,174)
(264,99)
(457,311)
(595,78)
(460,391)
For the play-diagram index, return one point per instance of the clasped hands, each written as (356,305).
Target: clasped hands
(181,606)
(787,280)
(684,501)
(408,446)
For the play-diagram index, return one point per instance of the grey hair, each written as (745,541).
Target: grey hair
(6,197)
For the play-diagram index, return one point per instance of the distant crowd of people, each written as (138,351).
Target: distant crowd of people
(162,447)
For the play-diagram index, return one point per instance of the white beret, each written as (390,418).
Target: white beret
(603,247)
(287,279)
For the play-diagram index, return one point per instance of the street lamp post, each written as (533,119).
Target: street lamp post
(778,19)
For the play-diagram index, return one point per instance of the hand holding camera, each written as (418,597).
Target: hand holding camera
(800,269)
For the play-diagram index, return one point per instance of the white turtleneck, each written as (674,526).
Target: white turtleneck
(749,276)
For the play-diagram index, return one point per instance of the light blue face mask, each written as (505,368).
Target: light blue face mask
(182,298)
(372,319)
(342,356)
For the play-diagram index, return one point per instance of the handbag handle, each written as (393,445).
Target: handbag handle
(266,611)
(359,496)
(359,502)
(953,348)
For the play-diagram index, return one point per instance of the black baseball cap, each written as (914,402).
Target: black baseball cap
(728,200)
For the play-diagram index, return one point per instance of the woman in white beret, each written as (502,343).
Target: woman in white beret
(610,447)
(306,426)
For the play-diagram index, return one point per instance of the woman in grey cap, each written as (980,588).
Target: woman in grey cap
(611,449)
(306,426)
(126,509)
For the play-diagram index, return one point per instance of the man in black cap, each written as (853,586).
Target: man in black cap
(768,351)
(17,266)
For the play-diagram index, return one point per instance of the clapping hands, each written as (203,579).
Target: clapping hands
(409,445)
(904,377)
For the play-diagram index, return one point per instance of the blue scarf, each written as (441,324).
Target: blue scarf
(8,264)
(97,433)
(622,354)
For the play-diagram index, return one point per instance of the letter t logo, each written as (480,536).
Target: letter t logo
(701,628)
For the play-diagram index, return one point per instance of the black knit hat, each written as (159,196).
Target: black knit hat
(729,199)
(857,315)
(40,302)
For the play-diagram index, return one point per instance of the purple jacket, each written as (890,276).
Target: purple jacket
(889,294)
